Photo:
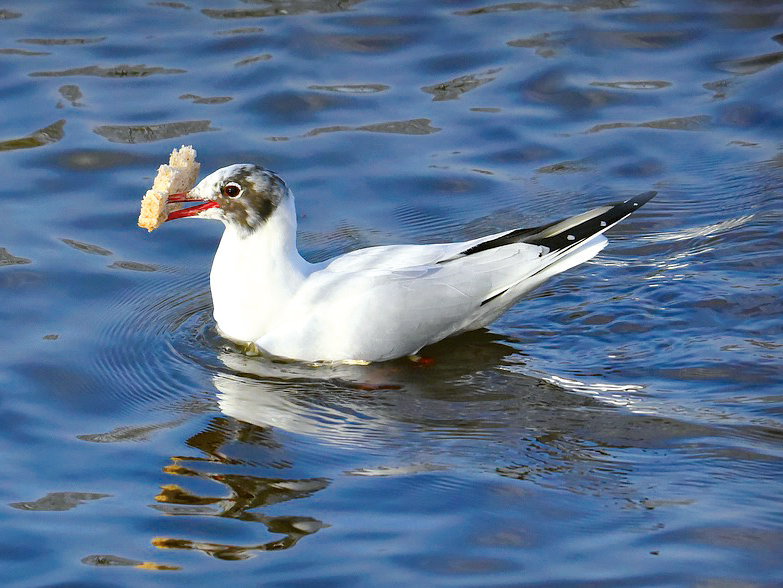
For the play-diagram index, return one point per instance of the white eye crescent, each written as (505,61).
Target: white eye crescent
(231,190)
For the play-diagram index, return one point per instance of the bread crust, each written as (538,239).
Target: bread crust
(179,175)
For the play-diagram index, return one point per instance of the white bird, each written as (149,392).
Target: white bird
(372,304)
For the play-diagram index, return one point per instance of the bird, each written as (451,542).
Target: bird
(373,304)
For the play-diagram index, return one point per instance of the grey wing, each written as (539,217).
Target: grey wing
(363,310)
(385,302)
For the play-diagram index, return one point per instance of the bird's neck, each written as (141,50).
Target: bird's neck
(255,275)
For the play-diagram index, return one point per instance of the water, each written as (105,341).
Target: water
(621,427)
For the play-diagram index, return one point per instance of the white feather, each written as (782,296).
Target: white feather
(377,303)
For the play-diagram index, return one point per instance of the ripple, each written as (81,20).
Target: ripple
(254,59)
(685,123)
(133,266)
(552,87)
(64,42)
(58,501)
(147,133)
(564,167)
(176,5)
(527,6)
(388,471)
(421,221)
(49,134)
(118,71)
(129,433)
(546,44)
(23,52)
(86,247)
(283,8)
(453,89)
(708,230)
(750,65)
(241,31)
(351,88)
(138,333)
(103,560)
(247,497)
(634,85)
(416,126)
(649,40)
(206,100)
(6,258)
(72,94)
(82,160)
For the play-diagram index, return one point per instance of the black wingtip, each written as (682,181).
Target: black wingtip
(641,199)
(599,223)
(569,236)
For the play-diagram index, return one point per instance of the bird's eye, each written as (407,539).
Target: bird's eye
(231,190)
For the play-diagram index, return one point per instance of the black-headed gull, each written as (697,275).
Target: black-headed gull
(372,304)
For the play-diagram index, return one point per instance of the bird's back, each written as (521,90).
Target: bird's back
(385,302)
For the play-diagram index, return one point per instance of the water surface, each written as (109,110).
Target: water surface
(620,427)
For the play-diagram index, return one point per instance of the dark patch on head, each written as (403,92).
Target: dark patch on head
(262,192)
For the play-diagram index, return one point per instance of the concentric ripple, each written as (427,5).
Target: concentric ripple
(150,337)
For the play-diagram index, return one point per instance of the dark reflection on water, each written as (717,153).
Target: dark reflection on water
(58,501)
(284,8)
(622,426)
(148,133)
(49,134)
(120,71)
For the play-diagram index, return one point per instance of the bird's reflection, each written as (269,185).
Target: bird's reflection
(348,404)
(471,406)
(339,404)
(247,495)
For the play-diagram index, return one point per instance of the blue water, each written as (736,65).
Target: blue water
(623,426)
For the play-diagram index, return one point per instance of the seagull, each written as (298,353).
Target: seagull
(373,304)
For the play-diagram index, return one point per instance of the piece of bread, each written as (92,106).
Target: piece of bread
(178,176)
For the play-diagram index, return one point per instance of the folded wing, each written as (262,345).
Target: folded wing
(388,301)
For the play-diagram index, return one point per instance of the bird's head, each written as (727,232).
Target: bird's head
(242,196)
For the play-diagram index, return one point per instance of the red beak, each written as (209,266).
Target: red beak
(193,210)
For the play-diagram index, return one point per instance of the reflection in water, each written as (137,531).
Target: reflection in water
(7,258)
(49,134)
(86,247)
(444,413)
(58,501)
(72,93)
(119,71)
(751,65)
(634,85)
(689,123)
(282,8)
(206,99)
(254,59)
(147,133)
(351,88)
(377,403)
(116,560)
(63,42)
(564,6)
(15,51)
(246,494)
(123,434)
(627,421)
(417,126)
(453,89)
(429,411)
